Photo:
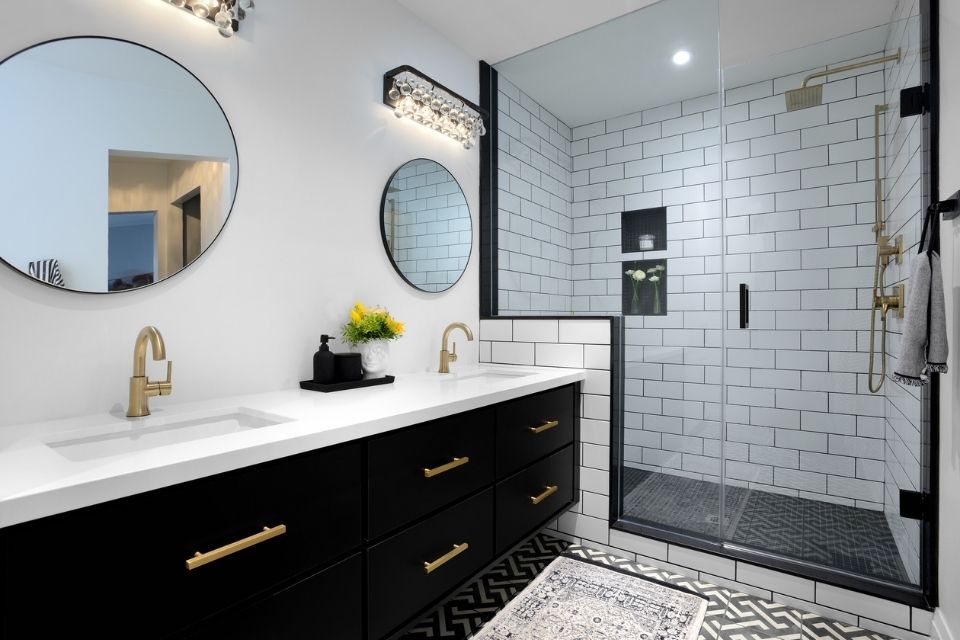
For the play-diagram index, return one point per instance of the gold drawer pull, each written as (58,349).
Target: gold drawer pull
(453,464)
(549,424)
(430,567)
(200,559)
(550,490)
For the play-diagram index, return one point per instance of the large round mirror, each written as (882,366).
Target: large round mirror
(426,225)
(118,168)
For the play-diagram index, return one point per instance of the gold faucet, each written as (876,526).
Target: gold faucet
(140,387)
(446,357)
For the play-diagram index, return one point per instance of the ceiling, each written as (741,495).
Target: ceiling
(494,30)
(623,65)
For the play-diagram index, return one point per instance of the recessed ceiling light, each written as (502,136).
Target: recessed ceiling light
(681,57)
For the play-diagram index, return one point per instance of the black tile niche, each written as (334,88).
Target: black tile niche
(643,222)
(648,296)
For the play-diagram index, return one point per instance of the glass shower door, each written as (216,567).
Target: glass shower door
(815,154)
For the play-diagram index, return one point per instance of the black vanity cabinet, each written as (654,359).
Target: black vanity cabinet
(130,567)
(351,542)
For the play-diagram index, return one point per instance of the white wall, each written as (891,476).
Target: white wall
(947,619)
(302,88)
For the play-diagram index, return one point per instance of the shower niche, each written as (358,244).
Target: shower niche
(643,230)
(645,287)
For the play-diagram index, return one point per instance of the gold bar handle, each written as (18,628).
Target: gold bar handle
(549,424)
(430,567)
(200,559)
(550,490)
(453,464)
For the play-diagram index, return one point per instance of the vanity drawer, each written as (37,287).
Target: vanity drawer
(310,503)
(532,497)
(398,584)
(419,470)
(325,605)
(530,428)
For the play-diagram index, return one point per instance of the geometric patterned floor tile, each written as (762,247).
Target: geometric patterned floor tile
(467,610)
(730,615)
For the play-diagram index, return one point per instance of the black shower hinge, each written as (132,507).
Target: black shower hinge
(914,504)
(950,208)
(915,101)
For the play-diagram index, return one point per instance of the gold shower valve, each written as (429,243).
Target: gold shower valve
(886,249)
(896,301)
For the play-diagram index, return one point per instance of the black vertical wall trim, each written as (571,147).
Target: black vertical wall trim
(930,395)
(489,305)
(616,415)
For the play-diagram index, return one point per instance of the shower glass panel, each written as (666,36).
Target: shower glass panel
(642,230)
(815,455)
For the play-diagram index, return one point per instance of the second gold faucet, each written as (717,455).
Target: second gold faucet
(446,357)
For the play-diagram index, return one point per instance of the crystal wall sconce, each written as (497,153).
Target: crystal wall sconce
(413,95)
(225,14)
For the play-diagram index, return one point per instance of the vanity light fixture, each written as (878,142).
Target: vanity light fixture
(225,14)
(413,95)
(681,57)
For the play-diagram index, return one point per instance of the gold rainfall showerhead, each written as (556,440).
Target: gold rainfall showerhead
(812,96)
(804,97)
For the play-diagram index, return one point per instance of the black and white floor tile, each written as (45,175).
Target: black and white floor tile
(731,615)
(834,535)
(466,611)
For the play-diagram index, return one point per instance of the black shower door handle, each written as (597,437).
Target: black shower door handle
(744,306)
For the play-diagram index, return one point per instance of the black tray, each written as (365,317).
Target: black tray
(310,385)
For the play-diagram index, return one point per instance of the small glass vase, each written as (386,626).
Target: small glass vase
(635,303)
(374,358)
(657,309)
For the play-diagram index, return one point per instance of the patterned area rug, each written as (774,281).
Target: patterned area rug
(575,599)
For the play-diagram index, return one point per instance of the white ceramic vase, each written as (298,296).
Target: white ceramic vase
(374,358)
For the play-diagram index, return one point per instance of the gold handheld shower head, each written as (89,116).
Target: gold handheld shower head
(812,96)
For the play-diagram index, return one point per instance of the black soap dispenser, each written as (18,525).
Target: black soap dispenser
(323,362)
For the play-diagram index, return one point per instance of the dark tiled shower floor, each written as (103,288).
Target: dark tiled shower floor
(838,536)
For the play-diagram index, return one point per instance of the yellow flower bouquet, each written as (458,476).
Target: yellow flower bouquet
(368,324)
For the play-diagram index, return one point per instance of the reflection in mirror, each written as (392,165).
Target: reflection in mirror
(140,155)
(426,225)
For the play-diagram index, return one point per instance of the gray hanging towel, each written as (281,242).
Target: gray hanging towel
(46,270)
(923,346)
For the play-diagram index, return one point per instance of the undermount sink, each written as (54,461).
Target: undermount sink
(158,431)
(487,374)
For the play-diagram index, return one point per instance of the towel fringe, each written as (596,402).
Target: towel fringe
(910,381)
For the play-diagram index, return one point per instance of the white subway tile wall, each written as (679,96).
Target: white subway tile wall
(588,521)
(534,198)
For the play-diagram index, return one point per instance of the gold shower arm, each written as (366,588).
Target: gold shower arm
(850,67)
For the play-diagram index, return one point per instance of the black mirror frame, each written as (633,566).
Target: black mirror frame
(233,137)
(383,231)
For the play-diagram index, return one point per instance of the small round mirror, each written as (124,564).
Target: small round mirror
(426,225)
(118,167)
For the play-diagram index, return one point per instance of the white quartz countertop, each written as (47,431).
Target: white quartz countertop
(38,480)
